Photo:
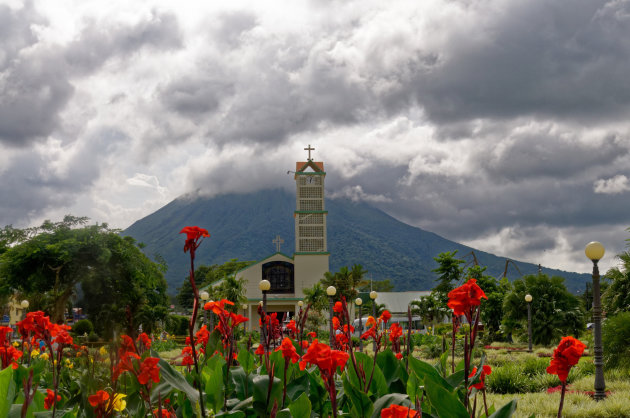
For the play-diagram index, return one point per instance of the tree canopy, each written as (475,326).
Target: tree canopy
(57,263)
(616,297)
(555,311)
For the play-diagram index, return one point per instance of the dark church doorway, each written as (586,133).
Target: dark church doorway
(281,276)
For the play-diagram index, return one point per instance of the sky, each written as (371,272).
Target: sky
(500,124)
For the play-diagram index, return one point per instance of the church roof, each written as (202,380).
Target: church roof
(397,302)
(290,259)
(318,166)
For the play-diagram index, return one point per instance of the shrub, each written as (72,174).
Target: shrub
(508,379)
(616,339)
(93,337)
(177,324)
(83,326)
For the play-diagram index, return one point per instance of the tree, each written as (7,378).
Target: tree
(492,308)
(207,275)
(616,298)
(345,281)
(377,285)
(428,308)
(449,271)
(555,311)
(118,283)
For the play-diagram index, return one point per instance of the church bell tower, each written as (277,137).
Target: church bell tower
(310,213)
(311,248)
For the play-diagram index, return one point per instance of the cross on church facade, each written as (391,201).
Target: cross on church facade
(278,241)
(309,149)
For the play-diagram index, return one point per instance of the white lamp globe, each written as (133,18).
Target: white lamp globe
(331,291)
(594,250)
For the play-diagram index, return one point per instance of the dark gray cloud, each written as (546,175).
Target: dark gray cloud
(35,181)
(100,41)
(538,58)
(37,80)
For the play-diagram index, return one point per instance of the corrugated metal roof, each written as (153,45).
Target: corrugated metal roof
(397,302)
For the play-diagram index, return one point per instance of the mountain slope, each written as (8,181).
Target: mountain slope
(243,225)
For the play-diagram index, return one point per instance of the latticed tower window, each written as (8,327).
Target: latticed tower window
(311,192)
(312,219)
(316,204)
(311,231)
(312,244)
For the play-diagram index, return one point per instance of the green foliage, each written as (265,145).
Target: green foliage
(449,271)
(555,311)
(118,284)
(616,298)
(177,324)
(229,288)
(616,340)
(82,326)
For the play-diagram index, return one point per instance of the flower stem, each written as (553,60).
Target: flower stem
(564,387)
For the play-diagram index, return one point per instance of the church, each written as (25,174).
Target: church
(288,275)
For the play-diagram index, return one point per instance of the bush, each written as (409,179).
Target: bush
(508,379)
(616,340)
(82,327)
(177,324)
(93,337)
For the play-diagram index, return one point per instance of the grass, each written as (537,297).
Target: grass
(576,405)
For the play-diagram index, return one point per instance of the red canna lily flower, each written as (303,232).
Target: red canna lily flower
(312,335)
(369,333)
(193,234)
(149,370)
(462,299)
(145,340)
(335,323)
(485,370)
(165,413)
(50,399)
(398,411)
(385,316)
(260,350)
(99,399)
(288,350)
(395,332)
(338,307)
(187,359)
(565,356)
(399,356)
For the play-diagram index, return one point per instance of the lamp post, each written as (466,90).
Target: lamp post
(373,296)
(205,296)
(24,304)
(528,299)
(595,251)
(264,286)
(331,291)
(359,302)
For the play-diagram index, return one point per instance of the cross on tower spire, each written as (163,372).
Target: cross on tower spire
(309,149)
(278,241)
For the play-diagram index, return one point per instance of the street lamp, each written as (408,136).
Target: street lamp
(595,251)
(300,303)
(205,296)
(24,304)
(264,286)
(331,291)
(359,302)
(528,299)
(373,296)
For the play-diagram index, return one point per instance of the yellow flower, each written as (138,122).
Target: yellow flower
(119,402)
(34,353)
(70,366)
(45,357)
(67,360)
(103,351)
(79,354)
(16,344)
